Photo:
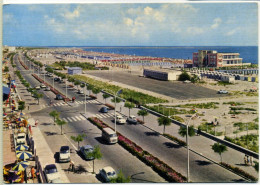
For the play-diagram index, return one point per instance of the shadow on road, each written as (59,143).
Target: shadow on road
(238,180)
(242,164)
(101,141)
(46,124)
(203,163)
(51,133)
(80,169)
(171,145)
(56,157)
(152,133)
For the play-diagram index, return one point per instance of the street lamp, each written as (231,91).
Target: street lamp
(116,94)
(85,91)
(187,141)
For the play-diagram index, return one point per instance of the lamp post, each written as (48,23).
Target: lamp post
(117,93)
(85,91)
(188,154)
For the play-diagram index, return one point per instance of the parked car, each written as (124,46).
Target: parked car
(37,87)
(62,81)
(104,109)
(47,88)
(21,139)
(109,135)
(120,119)
(80,91)
(86,150)
(50,75)
(51,173)
(107,173)
(59,97)
(64,155)
(132,119)
(56,79)
(43,86)
(222,92)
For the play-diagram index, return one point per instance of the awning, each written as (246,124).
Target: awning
(6,90)
(9,156)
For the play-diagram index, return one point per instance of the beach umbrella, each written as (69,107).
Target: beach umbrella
(21,114)
(22,147)
(19,119)
(21,166)
(23,155)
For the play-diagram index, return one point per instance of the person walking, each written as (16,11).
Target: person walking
(71,166)
(245,160)
(248,161)
(33,173)
(251,160)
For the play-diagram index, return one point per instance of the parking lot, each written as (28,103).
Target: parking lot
(174,89)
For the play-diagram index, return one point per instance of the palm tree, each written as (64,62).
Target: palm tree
(120,178)
(38,96)
(219,148)
(96,90)
(21,105)
(165,121)
(78,139)
(115,100)
(89,88)
(60,122)
(129,106)
(105,96)
(142,113)
(183,131)
(77,83)
(96,154)
(54,114)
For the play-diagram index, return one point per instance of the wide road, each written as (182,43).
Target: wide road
(169,152)
(174,89)
(113,155)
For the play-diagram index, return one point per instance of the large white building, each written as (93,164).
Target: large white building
(162,74)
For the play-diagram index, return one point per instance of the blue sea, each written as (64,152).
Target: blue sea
(248,53)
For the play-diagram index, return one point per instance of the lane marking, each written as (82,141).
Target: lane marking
(69,120)
(97,115)
(82,117)
(74,118)
(65,119)
(77,118)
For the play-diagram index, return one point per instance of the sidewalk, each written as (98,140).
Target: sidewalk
(44,152)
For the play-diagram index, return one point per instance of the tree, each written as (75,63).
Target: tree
(256,166)
(120,178)
(27,85)
(96,154)
(54,114)
(78,139)
(82,85)
(184,76)
(77,83)
(105,96)
(142,113)
(165,121)
(129,106)
(219,148)
(60,122)
(89,88)
(21,105)
(71,79)
(116,100)
(38,96)
(96,90)
(183,131)
(6,69)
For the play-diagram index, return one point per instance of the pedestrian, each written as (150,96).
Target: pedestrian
(248,161)
(120,108)
(33,173)
(36,123)
(245,160)
(251,160)
(71,166)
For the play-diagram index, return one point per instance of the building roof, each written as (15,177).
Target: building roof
(72,68)
(9,156)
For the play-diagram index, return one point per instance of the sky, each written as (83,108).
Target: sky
(154,24)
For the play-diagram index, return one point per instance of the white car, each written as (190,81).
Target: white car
(37,87)
(107,173)
(120,119)
(21,138)
(80,91)
(51,173)
(132,119)
(64,155)
(222,92)
(43,86)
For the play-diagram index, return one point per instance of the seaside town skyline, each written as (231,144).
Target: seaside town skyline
(171,24)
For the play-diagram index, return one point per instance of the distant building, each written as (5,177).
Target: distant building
(162,74)
(74,70)
(211,58)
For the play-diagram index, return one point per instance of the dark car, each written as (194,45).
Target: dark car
(59,97)
(104,110)
(56,79)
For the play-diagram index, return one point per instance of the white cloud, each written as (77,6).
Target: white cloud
(216,23)
(148,10)
(232,32)
(195,30)
(73,14)
(128,21)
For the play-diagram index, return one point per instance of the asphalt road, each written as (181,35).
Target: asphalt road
(201,169)
(174,89)
(113,155)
